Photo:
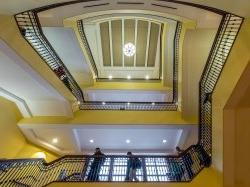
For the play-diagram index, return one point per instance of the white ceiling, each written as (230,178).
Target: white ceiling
(75,139)
(204,19)
(66,45)
(20,82)
(240,7)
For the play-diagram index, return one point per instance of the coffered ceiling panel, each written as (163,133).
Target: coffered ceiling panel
(153,44)
(125,47)
(117,43)
(104,31)
(144,35)
(141,42)
(129,37)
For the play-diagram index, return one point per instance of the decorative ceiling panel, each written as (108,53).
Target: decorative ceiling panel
(141,43)
(153,44)
(105,39)
(116,26)
(129,37)
(125,47)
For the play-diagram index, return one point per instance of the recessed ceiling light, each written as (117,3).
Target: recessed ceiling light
(128,77)
(91,141)
(128,103)
(110,77)
(164,141)
(103,103)
(54,140)
(147,77)
(127,141)
(129,49)
(153,103)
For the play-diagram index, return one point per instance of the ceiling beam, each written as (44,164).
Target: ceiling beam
(136,23)
(111,44)
(123,28)
(148,38)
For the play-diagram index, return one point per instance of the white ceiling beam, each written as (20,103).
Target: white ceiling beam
(21,104)
(148,38)
(99,45)
(110,44)
(136,24)
(123,28)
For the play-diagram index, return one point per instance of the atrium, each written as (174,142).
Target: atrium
(165,80)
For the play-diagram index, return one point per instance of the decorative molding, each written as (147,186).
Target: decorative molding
(90,6)
(21,104)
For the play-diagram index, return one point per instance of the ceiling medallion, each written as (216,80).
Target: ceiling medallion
(129,49)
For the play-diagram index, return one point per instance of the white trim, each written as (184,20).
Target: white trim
(111,44)
(99,45)
(152,15)
(122,42)
(136,24)
(21,104)
(32,137)
(147,48)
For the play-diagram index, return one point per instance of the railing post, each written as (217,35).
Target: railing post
(111,168)
(144,170)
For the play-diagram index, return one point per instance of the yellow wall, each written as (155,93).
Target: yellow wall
(207,178)
(30,150)
(241,162)
(236,63)
(13,144)
(130,117)
(130,85)
(196,47)
(114,117)
(236,134)
(12,140)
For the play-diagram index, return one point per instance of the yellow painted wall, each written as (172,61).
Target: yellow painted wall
(236,63)
(13,144)
(236,130)
(196,47)
(12,139)
(241,162)
(114,117)
(130,85)
(207,178)
(130,117)
(30,150)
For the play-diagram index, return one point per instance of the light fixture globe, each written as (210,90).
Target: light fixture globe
(129,49)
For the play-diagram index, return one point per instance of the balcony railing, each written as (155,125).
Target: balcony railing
(36,172)
(154,168)
(226,35)
(31,30)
